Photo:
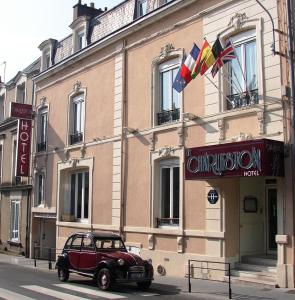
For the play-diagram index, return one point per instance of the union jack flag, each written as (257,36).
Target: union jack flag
(224,57)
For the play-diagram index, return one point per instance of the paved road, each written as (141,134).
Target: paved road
(22,283)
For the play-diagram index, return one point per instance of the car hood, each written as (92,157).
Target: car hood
(129,258)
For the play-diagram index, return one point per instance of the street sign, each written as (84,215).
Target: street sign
(212,196)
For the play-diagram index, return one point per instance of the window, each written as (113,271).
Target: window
(15,179)
(81,40)
(42,130)
(14,220)
(46,60)
(169,193)
(79,194)
(21,93)
(141,8)
(1,155)
(169,97)
(40,183)
(243,82)
(77,124)
(2,97)
(76,243)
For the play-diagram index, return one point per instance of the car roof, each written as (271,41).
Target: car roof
(99,234)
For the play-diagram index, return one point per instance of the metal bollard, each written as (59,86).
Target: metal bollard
(49,259)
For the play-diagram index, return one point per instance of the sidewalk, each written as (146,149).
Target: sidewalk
(200,289)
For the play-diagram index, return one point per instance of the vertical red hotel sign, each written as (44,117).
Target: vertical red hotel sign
(24,113)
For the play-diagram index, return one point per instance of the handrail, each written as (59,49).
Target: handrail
(207,268)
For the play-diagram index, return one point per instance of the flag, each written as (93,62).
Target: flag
(212,56)
(183,76)
(201,58)
(224,57)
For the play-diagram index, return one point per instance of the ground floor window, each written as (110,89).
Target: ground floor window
(169,193)
(14,220)
(79,195)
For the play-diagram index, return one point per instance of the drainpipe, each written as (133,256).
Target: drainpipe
(123,138)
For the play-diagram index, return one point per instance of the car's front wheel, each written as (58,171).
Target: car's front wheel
(63,274)
(104,279)
(144,284)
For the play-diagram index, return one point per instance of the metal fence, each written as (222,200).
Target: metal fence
(208,266)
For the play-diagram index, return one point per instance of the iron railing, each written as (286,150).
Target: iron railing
(41,146)
(168,116)
(76,137)
(242,99)
(46,254)
(167,221)
(205,265)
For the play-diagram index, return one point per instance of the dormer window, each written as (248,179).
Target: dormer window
(141,8)
(47,60)
(21,93)
(48,49)
(81,40)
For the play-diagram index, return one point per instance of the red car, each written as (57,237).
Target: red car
(103,257)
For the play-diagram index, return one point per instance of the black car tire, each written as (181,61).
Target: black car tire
(104,279)
(143,285)
(63,274)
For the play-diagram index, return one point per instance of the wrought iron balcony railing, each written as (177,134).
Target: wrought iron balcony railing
(242,100)
(168,116)
(41,146)
(167,222)
(75,138)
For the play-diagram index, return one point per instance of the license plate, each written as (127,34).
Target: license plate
(136,275)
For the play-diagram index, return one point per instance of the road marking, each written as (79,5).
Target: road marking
(89,291)
(8,295)
(52,293)
(146,294)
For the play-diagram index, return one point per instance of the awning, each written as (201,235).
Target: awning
(240,159)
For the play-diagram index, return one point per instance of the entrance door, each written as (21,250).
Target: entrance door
(272,219)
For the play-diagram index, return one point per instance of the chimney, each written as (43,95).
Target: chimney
(92,5)
(83,10)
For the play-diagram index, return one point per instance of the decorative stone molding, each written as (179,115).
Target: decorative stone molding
(166,151)
(152,141)
(221,129)
(260,117)
(67,154)
(165,51)
(237,20)
(77,86)
(151,241)
(180,132)
(242,137)
(179,244)
(43,101)
(83,150)
(73,162)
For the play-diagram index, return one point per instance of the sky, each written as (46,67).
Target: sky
(25,24)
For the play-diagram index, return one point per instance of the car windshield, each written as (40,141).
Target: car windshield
(107,244)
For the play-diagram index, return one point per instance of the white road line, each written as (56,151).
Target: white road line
(146,294)
(52,293)
(13,296)
(89,291)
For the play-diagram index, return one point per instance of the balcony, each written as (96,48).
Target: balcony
(41,146)
(75,138)
(168,116)
(167,222)
(244,99)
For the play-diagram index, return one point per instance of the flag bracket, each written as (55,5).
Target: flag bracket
(189,116)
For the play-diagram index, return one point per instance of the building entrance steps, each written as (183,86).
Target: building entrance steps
(256,270)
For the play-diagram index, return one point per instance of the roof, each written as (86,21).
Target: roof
(99,234)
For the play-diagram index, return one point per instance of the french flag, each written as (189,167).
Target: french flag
(189,63)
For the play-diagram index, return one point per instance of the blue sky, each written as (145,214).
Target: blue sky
(26,23)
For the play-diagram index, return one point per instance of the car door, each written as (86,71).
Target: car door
(74,252)
(88,259)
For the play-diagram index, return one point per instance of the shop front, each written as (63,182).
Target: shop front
(245,182)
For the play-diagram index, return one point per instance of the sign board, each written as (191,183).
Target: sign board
(20,110)
(23,147)
(212,196)
(240,159)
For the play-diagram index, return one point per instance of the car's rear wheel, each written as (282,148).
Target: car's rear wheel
(63,274)
(143,285)
(104,279)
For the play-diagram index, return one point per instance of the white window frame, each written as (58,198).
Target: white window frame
(83,172)
(14,157)
(15,224)
(40,201)
(169,164)
(81,39)
(42,132)
(139,5)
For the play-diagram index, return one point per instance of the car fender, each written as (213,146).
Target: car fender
(62,261)
(109,264)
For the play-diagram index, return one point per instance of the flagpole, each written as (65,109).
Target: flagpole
(218,89)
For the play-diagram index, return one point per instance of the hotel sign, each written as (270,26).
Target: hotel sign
(20,110)
(241,159)
(23,147)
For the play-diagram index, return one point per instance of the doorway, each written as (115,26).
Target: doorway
(271,219)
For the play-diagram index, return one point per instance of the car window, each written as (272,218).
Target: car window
(87,244)
(76,243)
(109,244)
(68,243)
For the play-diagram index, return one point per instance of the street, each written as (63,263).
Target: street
(22,283)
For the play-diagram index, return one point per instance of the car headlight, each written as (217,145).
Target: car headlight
(121,262)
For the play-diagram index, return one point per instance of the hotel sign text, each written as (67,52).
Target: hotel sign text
(250,158)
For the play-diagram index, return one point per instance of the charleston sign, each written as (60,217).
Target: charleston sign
(241,159)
